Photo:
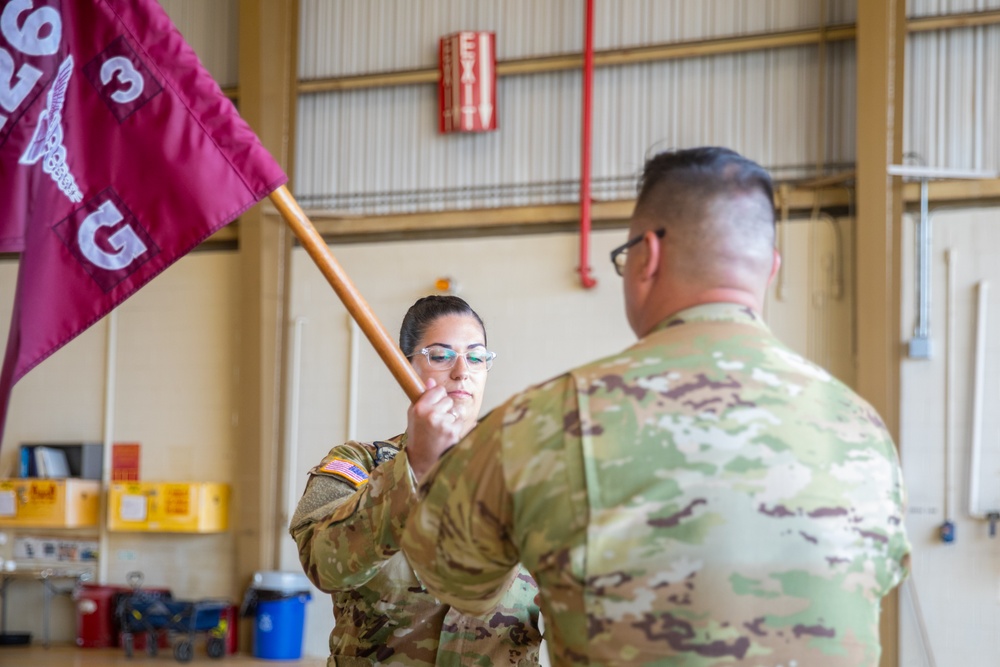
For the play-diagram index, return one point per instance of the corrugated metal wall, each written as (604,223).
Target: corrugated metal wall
(378,151)
(917,8)
(346,37)
(211,28)
(953,89)
(953,81)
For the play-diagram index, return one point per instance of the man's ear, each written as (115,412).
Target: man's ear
(775,266)
(651,261)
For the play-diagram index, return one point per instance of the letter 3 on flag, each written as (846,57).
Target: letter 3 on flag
(118,155)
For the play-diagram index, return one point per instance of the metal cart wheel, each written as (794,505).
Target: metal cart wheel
(128,643)
(183,650)
(216,647)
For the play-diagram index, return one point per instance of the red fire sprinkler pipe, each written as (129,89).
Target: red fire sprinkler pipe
(588,103)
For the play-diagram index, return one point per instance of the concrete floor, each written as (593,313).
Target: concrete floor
(71,656)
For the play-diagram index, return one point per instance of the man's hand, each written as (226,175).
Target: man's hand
(433,426)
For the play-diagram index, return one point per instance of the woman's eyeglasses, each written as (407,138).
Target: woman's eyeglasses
(442,358)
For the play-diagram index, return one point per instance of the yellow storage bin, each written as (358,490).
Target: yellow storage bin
(168,507)
(50,503)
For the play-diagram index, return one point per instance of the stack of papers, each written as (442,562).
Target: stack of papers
(51,462)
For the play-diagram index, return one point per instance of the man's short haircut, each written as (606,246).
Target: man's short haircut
(687,179)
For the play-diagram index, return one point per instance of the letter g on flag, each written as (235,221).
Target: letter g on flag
(105,237)
(125,243)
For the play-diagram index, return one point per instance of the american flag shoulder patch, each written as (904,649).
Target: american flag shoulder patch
(349,470)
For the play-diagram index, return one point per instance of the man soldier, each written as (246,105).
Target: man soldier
(705,497)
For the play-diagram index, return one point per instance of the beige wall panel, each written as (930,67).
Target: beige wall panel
(177,371)
(957,584)
(810,304)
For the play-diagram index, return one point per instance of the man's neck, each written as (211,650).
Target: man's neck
(726,295)
(678,301)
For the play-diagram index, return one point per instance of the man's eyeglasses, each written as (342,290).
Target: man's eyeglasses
(619,254)
(441,358)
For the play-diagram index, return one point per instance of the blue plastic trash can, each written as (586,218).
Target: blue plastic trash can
(279,599)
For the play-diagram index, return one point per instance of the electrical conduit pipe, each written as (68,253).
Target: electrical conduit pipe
(588,102)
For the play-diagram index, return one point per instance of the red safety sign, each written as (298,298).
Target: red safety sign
(467,87)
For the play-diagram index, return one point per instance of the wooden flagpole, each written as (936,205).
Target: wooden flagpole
(342,285)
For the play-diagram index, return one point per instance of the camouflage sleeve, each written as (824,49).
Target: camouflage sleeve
(458,538)
(348,521)
(899,547)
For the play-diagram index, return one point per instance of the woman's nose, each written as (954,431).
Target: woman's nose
(461,368)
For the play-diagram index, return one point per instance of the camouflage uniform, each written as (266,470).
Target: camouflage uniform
(706,497)
(347,527)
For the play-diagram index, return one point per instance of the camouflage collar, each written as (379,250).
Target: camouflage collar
(714,312)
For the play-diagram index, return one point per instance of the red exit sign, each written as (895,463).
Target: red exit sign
(467,87)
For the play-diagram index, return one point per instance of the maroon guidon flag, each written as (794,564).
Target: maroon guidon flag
(118,155)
